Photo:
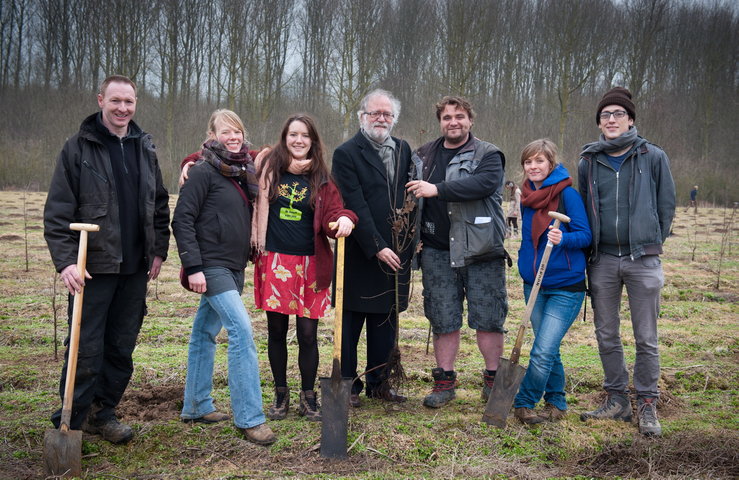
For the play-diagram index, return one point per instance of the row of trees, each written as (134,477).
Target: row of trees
(533,68)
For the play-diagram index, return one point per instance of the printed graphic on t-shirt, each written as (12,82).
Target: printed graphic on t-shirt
(292,194)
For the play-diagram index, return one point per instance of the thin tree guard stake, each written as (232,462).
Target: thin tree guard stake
(335,390)
(510,373)
(403,232)
(63,447)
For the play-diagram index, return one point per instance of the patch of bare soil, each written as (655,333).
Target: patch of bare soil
(682,455)
(10,238)
(151,402)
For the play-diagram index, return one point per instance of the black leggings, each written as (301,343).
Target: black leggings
(513,222)
(307,329)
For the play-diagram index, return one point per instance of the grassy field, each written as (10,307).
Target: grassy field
(699,340)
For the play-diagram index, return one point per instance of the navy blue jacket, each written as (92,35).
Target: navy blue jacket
(567,261)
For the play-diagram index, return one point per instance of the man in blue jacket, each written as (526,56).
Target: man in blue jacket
(462,229)
(629,194)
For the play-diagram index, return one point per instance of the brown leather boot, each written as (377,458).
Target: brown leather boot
(261,434)
(552,414)
(528,416)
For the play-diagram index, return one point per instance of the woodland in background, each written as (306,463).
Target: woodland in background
(532,68)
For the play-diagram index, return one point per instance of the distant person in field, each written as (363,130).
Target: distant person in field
(628,191)
(547,188)
(296,205)
(513,211)
(462,229)
(107,174)
(693,202)
(212,225)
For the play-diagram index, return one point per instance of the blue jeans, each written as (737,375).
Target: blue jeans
(552,316)
(223,310)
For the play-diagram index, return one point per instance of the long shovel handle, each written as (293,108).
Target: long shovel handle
(74,331)
(516,352)
(339,298)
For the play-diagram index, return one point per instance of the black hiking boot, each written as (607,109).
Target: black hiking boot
(647,414)
(444,389)
(616,406)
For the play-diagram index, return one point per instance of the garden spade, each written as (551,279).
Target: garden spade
(510,373)
(335,390)
(63,447)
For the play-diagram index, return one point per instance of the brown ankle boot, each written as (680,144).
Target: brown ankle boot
(278,410)
(309,407)
(527,416)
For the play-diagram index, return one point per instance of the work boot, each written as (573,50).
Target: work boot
(309,407)
(551,413)
(616,406)
(444,388)
(110,429)
(261,434)
(487,385)
(212,417)
(278,410)
(527,416)
(647,414)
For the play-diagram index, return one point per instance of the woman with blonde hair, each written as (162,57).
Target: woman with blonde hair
(212,225)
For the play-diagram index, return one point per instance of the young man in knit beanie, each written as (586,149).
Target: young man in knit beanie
(629,195)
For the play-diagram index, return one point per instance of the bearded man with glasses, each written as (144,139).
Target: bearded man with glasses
(629,195)
(371,170)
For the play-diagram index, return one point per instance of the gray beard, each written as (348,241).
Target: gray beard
(369,131)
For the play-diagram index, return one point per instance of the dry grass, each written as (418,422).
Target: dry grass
(699,332)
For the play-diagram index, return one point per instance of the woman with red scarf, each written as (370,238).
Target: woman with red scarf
(548,187)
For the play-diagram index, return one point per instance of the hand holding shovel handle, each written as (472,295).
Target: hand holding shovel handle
(74,333)
(335,390)
(516,352)
(63,448)
(510,373)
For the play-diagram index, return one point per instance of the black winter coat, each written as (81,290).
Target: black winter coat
(83,190)
(369,284)
(211,222)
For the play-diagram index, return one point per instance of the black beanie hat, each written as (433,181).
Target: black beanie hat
(616,96)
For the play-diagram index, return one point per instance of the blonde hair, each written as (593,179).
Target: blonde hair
(229,118)
(544,146)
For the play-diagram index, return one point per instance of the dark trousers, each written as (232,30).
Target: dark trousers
(112,312)
(380,341)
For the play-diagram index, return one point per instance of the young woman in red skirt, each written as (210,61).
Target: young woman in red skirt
(296,202)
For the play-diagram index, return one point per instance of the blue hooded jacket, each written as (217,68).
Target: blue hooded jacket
(567,261)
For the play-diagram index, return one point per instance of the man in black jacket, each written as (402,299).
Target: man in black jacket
(107,174)
(371,170)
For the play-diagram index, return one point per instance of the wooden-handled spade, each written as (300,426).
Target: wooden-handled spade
(335,390)
(510,373)
(63,447)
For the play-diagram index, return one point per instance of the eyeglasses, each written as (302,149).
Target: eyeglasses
(619,114)
(376,115)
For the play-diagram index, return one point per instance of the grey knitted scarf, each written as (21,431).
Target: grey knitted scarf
(609,146)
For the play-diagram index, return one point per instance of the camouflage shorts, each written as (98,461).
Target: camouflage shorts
(445,288)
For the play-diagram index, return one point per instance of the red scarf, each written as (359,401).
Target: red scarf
(543,201)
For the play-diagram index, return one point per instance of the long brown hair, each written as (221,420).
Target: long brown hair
(278,160)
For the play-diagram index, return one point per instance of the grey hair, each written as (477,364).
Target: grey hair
(379,92)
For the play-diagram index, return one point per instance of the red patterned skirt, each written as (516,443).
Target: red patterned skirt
(287,284)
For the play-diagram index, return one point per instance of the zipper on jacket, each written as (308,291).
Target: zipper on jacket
(123,155)
(94,172)
(618,240)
